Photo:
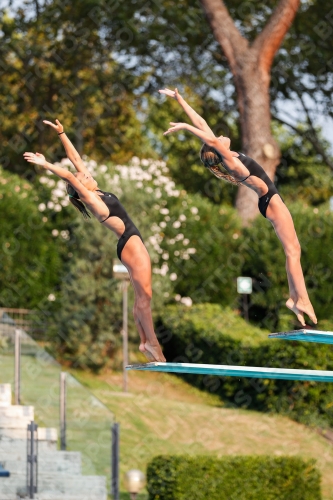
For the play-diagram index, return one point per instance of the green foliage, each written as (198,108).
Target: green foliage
(98,69)
(218,324)
(305,56)
(30,258)
(232,478)
(87,319)
(202,242)
(207,333)
(302,175)
(57,63)
(308,180)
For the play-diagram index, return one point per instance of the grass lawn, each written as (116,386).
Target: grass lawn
(164,415)
(161,414)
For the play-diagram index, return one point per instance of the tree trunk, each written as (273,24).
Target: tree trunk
(252,87)
(250,66)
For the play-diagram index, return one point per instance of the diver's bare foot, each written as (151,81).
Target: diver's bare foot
(306,307)
(300,316)
(155,351)
(144,351)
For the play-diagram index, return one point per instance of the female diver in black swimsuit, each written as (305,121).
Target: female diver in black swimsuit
(84,192)
(244,170)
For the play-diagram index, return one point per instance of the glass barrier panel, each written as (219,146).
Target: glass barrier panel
(88,420)
(40,376)
(88,428)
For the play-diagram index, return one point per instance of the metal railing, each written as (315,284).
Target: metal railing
(115,461)
(32,459)
(82,420)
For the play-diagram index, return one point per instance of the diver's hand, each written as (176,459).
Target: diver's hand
(174,94)
(176,127)
(36,158)
(57,125)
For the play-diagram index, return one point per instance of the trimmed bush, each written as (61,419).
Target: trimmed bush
(232,478)
(207,333)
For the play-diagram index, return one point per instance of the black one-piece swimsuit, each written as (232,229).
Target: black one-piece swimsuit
(117,210)
(257,171)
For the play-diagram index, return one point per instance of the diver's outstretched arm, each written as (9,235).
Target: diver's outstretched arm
(195,118)
(230,162)
(93,202)
(71,152)
(39,159)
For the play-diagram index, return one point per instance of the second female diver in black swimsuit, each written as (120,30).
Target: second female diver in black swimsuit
(244,170)
(84,192)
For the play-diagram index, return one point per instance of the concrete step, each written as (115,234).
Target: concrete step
(72,485)
(59,462)
(64,487)
(5,395)
(19,449)
(16,464)
(17,411)
(14,422)
(47,446)
(10,446)
(45,434)
(12,485)
(13,434)
(49,434)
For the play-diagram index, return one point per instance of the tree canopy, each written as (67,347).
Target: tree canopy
(98,65)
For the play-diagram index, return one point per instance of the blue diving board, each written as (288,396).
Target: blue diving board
(305,335)
(237,371)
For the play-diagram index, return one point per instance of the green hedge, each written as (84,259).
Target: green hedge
(207,333)
(232,478)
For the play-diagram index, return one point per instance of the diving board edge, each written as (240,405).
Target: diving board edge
(237,371)
(305,335)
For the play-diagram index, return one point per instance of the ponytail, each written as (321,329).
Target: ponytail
(215,169)
(211,160)
(75,200)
